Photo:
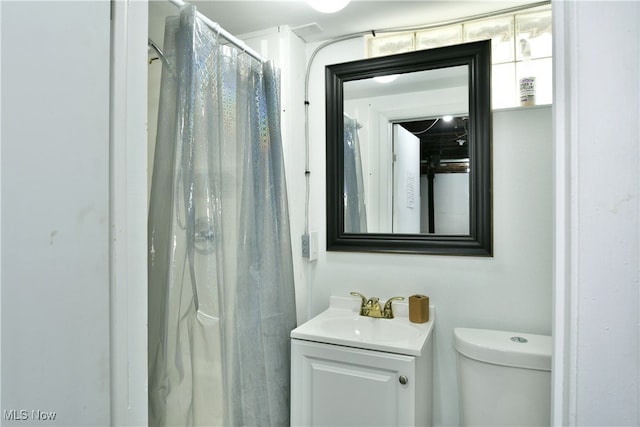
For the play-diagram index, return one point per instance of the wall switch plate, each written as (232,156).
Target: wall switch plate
(310,246)
(313,246)
(305,245)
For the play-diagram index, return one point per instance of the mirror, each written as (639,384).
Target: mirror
(409,152)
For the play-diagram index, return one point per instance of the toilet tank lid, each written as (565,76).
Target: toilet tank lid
(514,349)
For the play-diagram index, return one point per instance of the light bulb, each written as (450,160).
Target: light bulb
(386,79)
(328,6)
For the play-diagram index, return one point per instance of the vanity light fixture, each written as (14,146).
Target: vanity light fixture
(328,6)
(447,118)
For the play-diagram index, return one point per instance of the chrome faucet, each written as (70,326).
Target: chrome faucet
(371,307)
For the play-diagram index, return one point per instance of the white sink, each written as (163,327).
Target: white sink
(341,324)
(360,328)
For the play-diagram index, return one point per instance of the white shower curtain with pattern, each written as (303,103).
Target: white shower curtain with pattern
(221,293)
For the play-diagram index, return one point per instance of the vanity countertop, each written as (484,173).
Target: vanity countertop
(341,324)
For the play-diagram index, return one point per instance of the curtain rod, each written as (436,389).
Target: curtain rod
(224,33)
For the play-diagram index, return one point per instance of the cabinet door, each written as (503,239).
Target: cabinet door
(342,386)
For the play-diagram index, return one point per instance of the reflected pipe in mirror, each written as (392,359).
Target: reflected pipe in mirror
(409,159)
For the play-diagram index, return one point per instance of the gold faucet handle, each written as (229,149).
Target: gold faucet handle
(364,301)
(388,308)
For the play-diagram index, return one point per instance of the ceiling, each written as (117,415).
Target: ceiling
(242,17)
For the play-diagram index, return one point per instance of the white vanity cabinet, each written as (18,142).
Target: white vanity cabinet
(346,386)
(340,381)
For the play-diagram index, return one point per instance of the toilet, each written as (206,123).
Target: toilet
(504,378)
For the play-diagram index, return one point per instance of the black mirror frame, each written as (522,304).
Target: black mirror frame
(477,55)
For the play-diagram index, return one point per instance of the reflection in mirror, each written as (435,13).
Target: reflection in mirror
(355,213)
(390,128)
(436,151)
(408,152)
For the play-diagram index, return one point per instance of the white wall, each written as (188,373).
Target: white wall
(451,195)
(597,241)
(511,290)
(73,230)
(55,211)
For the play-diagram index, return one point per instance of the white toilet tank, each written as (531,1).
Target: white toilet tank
(504,378)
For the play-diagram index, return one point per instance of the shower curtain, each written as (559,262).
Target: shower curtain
(221,295)
(355,213)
